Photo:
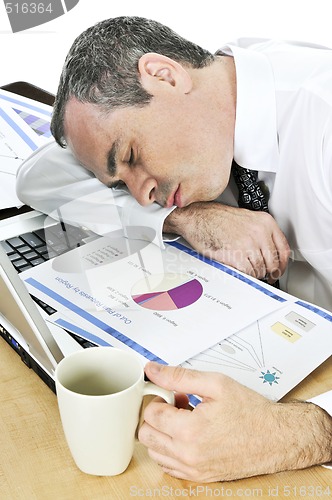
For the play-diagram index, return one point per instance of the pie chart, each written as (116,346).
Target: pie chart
(166,292)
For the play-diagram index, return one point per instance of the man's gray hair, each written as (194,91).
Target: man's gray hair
(102,65)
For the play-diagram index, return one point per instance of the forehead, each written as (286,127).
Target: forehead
(82,132)
(88,133)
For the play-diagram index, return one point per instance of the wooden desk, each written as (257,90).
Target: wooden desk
(36,464)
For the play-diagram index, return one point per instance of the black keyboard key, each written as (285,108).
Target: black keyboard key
(36,262)
(69,235)
(39,302)
(49,310)
(23,268)
(31,255)
(62,240)
(14,256)
(24,249)
(15,242)
(84,343)
(60,248)
(57,231)
(20,263)
(32,239)
(7,248)
(42,250)
(88,344)
(40,233)
(52,240)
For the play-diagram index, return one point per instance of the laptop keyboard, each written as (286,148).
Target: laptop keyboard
(31,249)
(34,248)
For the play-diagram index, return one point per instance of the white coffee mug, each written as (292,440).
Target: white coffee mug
(100,391)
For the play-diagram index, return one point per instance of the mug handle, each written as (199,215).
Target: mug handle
(151,388)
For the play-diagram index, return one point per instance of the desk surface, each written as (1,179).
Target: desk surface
(35,462)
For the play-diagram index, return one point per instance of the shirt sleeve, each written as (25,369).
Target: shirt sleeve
(324,401)
(53,182)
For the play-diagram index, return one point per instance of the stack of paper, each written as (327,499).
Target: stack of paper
(24,126)
(177,307)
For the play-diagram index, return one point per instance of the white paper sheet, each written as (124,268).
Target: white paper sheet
(24,126)
(17,140)
(8,197)
(275,353)
(167,305)
(270,356)
(29,113)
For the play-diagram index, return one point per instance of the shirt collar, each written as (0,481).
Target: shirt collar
(256,138)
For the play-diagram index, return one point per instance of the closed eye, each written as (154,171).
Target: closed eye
(131,160)
(117,184)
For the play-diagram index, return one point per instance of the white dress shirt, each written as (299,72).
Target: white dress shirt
(283,130)
(51,179)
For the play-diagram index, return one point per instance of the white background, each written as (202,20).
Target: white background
(37,55)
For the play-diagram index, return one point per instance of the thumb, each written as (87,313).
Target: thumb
(176,378)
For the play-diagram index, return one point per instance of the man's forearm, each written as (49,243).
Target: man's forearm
(234,432)
(176,220)
(308,432)
(200,224)
(250,241)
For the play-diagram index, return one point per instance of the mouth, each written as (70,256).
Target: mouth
(174,199)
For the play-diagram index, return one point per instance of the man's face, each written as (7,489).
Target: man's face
(171,151)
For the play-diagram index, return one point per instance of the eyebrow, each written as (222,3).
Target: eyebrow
(111,159)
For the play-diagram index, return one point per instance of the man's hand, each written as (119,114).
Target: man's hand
(233,433)
(249,241)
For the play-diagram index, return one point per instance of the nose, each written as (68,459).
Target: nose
(143,189)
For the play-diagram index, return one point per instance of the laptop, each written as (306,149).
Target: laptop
(27,240)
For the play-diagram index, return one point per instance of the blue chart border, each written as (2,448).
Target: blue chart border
(82,333)
(95,321)
(194,401)
(324,314)
(26,105)
(18,130)
(227,270)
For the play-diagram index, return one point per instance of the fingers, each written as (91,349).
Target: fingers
(282,247)
(260,248)
(167,433)
(262,263)
(272,264)
(176,378)
(258,265)
(276,257)
(163,423)
(171,466)
(270,258)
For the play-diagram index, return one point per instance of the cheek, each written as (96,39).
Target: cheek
(211,182)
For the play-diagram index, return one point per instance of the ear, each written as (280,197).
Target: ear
(157,71)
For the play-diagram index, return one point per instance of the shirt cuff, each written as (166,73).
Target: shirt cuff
(325,402)
(145,223)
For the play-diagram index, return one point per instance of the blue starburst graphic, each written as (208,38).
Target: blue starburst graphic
(269,377)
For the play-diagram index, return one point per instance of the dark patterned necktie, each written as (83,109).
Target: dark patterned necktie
(251,195)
